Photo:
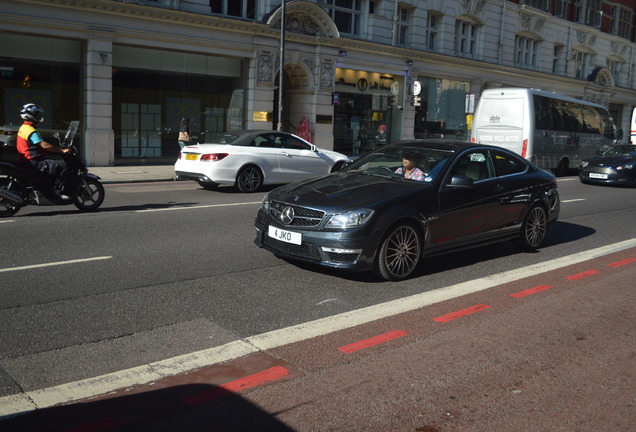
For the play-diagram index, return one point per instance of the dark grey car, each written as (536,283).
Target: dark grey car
(370,217)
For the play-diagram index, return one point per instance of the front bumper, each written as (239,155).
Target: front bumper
(610,177)
(351,250)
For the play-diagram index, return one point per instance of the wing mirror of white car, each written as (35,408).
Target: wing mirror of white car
(313,148)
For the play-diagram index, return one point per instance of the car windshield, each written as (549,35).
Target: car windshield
(223,138)
(626,150)
(425,164)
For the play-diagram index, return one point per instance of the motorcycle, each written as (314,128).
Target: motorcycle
(22,185)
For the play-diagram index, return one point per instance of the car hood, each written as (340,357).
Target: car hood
(345,191)
(611,160)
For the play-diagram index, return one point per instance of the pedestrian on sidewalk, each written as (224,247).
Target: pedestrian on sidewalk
(184,132)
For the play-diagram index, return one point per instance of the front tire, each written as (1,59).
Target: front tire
(399,253)
(90,195)
(8,208)
(249,179)
(533,228)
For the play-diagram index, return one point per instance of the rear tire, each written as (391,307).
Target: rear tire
(90,195)
(399,253)
(533,228)
(249,179)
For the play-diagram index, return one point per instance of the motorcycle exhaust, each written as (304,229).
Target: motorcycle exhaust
(8,195)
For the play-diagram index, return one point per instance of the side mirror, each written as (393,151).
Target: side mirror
(313,148)
(461,182)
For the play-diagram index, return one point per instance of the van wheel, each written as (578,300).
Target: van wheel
(533,228)
(399,253)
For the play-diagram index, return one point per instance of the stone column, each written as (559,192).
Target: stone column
(99,138)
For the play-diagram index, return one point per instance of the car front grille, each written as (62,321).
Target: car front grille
(305,250)
(302,216)
(343,257)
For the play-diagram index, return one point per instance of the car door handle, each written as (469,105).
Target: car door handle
(498,189)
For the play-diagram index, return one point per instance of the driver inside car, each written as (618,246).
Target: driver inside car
(409,167)
(37,152)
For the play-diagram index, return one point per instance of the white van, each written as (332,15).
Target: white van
(552,130)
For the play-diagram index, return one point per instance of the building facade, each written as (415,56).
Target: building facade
(363,72)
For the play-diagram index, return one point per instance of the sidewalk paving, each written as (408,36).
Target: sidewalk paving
(134,174)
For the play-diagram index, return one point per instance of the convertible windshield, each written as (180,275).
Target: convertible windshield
(411,163)
(223,138)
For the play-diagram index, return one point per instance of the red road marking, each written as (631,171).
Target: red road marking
(366,343)
(271,374)
(582,275)
(530,291)
(622,262)
(454,315)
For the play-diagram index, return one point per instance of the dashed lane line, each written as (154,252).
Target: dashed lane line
(53,264)
(70,392)
(197,207)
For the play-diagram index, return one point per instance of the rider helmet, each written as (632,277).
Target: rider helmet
(32,112)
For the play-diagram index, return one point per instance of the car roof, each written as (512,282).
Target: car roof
(438,144)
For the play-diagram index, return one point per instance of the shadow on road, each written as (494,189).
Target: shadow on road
(192,408)
(558,233)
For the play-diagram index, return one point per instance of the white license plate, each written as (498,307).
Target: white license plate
(598,176)
(285,236)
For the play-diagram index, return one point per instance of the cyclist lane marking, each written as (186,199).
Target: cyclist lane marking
(74,391)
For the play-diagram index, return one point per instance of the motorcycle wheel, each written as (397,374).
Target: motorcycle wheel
(90,195)
(7,208)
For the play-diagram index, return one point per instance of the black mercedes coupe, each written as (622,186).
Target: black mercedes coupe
(406,200)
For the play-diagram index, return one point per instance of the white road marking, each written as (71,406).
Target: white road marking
(197,207)
(66,393)
(7,221)
(573,200)
(51,264)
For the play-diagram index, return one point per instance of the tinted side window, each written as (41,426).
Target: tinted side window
(475,165)
(290,142)
(506,164)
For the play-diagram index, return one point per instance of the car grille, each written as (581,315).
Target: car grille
(303,216)
(343,257)
(305,250)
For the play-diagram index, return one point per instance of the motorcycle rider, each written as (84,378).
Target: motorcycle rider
(34,150)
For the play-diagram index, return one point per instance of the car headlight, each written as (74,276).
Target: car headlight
(584,164)
(625,167)
(265,203)
(352,219)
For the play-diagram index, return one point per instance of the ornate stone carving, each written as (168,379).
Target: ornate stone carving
(326,74)
(265,67)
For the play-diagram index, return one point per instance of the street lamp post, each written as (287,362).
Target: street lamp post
(281,65)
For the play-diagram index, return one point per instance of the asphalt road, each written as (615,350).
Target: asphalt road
(171,269)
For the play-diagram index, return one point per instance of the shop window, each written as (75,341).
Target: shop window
(441,113)
(154,89)
(45,71)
